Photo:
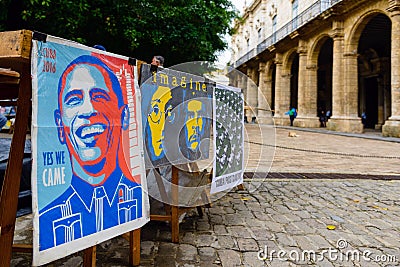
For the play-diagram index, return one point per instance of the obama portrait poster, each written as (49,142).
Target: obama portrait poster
(88,177)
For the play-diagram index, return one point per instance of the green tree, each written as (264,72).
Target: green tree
(180,30)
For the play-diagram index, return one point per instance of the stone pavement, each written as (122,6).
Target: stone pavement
(345,221)
(320,151)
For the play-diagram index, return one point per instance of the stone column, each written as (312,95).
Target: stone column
(264,93)
(285,96)
(252,94)
(337,76)
(281,105)
(392,125)
(235,80)
(353,123)
(344,86)
(387,96)
(306,115)
(312,94)
(242,83)
(381,92)
(268,91)
(301,96)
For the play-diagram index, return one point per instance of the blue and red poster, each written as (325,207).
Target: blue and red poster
(88,176)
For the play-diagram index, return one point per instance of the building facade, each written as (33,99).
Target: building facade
(314,55)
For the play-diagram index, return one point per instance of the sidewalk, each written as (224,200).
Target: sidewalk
(283,216)
(319,151)
(368,133)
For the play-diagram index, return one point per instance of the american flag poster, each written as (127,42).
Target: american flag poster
(88,174)
(228,125)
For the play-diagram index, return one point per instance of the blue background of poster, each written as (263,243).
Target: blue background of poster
(47,139)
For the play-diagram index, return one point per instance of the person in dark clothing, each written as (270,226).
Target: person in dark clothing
(322,119)
(364,118)
(158,61)
(292,115)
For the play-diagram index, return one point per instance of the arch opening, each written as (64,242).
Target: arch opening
(294,81)
(324,78)
(374,79)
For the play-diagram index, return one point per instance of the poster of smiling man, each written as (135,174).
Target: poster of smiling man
(228,138)
(88,175)
(177,112)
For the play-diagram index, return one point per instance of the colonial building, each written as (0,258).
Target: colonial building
(337,55)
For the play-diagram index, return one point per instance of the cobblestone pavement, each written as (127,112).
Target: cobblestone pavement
(282,222)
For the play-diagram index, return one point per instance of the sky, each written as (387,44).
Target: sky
(225,56)
(239,4)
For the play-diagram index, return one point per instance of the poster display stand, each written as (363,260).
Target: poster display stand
(16,83)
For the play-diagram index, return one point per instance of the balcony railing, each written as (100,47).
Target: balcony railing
(250,54)
(303,18)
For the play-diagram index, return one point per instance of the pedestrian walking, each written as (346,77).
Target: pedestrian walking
(364,118)
(328,115)
(322,119)
(292,114)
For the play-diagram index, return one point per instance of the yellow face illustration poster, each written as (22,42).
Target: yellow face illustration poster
(177,115)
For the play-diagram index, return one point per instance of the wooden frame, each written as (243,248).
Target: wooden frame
(173,211)
(15,54)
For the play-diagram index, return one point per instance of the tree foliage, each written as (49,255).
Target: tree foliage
(180,30)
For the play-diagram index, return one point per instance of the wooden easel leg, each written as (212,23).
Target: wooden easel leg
(205,196)
(134,247)
(22,248)
(240,187)
(200,211)
(89,257)
(175,224)
(174,206)
(161,188)
(12,177)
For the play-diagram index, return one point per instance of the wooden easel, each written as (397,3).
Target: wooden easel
(15,50)
(15,54)
(173,211)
